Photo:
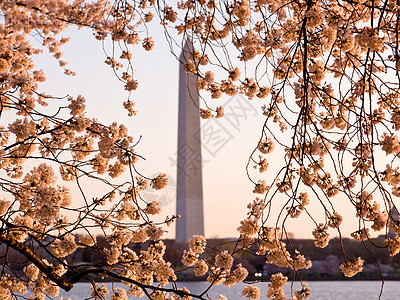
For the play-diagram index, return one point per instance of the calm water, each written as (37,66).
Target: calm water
(325,290)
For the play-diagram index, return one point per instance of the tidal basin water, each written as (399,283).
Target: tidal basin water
(322,290)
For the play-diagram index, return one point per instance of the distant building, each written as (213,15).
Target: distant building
(189,191)
(395,217)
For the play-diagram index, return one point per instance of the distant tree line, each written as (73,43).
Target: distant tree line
(325,262)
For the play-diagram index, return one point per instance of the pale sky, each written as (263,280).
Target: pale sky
(226,189)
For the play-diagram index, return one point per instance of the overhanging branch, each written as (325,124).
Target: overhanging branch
(28,253)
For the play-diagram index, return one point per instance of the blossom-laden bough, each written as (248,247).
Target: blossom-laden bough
(329,74)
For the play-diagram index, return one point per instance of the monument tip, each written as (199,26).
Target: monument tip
(187,50)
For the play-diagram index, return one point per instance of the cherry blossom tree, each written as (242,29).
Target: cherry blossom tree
(328,72)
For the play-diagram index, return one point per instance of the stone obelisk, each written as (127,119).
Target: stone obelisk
(189,191)
(395,216)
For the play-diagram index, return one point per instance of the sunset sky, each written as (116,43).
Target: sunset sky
(227,191)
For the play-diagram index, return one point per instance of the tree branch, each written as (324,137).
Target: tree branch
(28,253)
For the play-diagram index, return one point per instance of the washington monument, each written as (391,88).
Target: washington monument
(189,195)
